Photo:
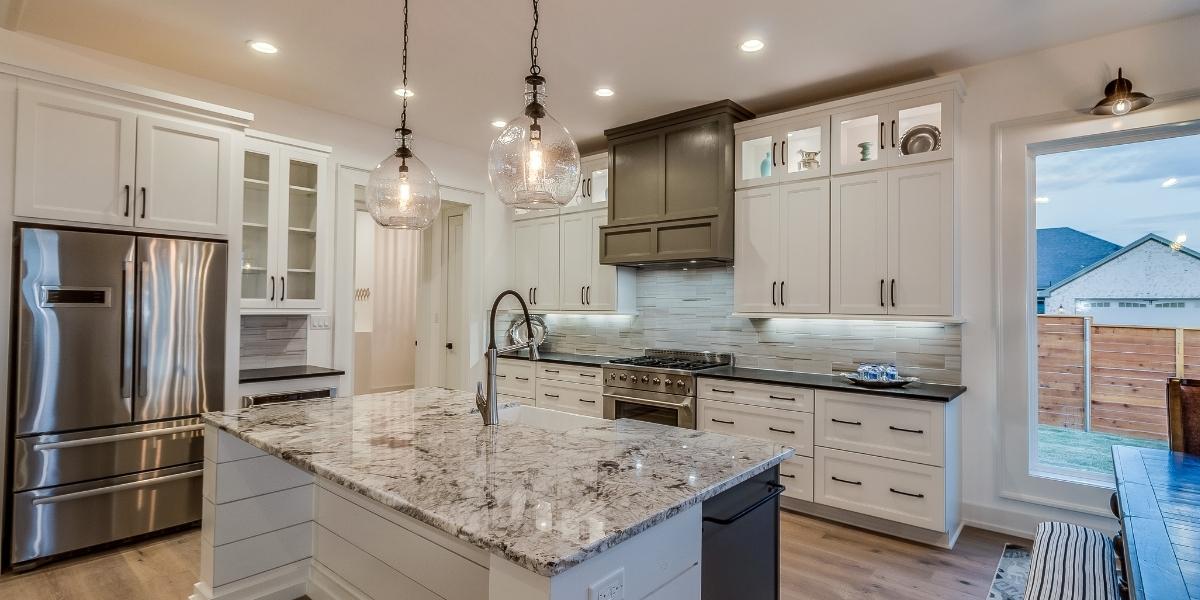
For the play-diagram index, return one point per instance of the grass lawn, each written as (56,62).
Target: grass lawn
(1077,449)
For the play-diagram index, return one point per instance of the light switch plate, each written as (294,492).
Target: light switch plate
(318,322)
(611,587)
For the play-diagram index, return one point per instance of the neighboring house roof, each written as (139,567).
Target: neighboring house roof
(1150,237)
(1063,252)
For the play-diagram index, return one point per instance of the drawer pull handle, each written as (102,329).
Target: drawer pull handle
(791,431)
(720,421)
(859,423)
(894,428)
(722,391)
(592,375)
(501,376)
(550,395)
(839,480)
(909,494)
(782,398)
(588,401)
(787,475)
(550,370)
(519,378)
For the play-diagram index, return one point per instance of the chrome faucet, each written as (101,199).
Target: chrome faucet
(489,408)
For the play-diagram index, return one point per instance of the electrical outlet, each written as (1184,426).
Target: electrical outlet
(318,322)
(611,587)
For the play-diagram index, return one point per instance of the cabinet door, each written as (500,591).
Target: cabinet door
(804,149)
(858,138)
(858,244)
(260,231)
(525,258)
(74,159)
(183,176)
(755,157)
(304,225)
(804,239)
(576,254)
(595,173)
(637,176)
(757,250)
(601,293)
(693,175)
(920,213)
(546,292)
(929,121)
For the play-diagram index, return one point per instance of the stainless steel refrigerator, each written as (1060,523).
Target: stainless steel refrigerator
(118,345)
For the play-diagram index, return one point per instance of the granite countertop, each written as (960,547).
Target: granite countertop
(917,391)
(564,358)
(281,373)
(544,500)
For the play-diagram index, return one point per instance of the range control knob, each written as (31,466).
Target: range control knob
(667,382)
(612,375)
(655,381)
(679,383)
(622,377)
(645,379)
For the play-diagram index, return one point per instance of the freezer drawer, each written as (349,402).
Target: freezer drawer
(51,521)
(57,459)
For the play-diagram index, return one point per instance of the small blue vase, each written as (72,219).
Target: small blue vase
(764,167)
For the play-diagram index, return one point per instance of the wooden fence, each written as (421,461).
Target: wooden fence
(1121,370)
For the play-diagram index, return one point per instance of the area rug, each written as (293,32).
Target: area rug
(1011,574)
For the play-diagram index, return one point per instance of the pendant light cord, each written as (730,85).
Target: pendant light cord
(404,75)
(534,69)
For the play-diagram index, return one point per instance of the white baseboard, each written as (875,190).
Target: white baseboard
(281,583)
(1023,523)
(324,584)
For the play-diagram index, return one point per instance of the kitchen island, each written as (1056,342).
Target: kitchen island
(409,495)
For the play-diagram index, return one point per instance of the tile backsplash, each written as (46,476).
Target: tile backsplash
(274,341)
(691,310)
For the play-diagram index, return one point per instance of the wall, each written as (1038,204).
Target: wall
(691,310)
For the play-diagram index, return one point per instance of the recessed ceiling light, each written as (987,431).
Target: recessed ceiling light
(1042,200)
(264,47)
(752,45)
(402,92)
(1170,182)
(498,123)
(603,92)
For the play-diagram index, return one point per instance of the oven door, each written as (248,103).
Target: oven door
(653,407)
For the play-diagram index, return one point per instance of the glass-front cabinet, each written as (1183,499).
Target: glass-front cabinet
(903,132)
(789,150)
(285,227)
(592,192)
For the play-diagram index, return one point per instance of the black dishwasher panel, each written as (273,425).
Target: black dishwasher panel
(741,541)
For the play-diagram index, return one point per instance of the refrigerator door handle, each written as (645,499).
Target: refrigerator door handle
(140,310)
(128,321)
(112,489)
(108,439)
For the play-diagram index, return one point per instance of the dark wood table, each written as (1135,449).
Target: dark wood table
(1159,498)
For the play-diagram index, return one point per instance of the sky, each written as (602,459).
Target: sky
(1117,193)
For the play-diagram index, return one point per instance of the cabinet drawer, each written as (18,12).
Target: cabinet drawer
(578,398)
(889,427)
(881,487)
(506,399)
(797,475)
(514,377)
(770,396)
(590,375)
(789,428)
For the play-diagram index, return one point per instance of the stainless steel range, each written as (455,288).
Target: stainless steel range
(659,387)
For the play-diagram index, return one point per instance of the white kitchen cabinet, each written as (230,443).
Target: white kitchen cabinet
(536,259)
(782,246)
(872,136)
(790,150)
(592,192)
(758,250)
(576,256)
(921,239)
(556,265)
(286,227)
(88,161)
(858,244)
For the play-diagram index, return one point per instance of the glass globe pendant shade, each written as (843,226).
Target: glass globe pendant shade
(402,192)
(534,163)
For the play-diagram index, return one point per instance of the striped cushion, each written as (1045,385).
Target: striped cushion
(1070,562)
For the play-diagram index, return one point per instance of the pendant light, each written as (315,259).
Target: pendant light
(534,163)
(402,192)
(1120,99)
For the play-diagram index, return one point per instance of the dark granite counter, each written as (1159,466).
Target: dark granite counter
(562,358)
(917,391)
(281,373)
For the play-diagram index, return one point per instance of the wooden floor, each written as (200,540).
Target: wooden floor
(820,560)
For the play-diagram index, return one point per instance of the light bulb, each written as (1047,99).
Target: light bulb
(405,189)
(1121,107)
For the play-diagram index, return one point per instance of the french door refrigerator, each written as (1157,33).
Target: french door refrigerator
(118,345)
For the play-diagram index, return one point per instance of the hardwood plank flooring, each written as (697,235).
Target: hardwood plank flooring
(820,561)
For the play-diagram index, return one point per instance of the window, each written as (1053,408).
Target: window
(1112,224)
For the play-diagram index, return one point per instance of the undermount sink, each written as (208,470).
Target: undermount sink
(544,418)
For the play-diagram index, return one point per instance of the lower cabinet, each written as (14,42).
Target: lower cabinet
(577,398)
(796,474)
(891,489)
(515,379)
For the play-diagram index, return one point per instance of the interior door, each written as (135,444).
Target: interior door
(546,292)
(601,293)
(757,247)
(858,244)
(181,328)
(456,342)
(74,159)
(576,253)
(804,223)
(182,176)
(921,240)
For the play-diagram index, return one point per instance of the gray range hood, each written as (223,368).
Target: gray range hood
(671,189)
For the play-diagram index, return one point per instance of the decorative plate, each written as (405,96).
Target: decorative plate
(856,379)
(518,333)
(920,138)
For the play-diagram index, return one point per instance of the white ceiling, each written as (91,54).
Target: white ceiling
(468,57)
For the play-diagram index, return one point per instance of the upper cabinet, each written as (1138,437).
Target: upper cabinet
(792,150)
(592,193)
(894,133)
(85,160)
(536,261)
(287,228)
(556,266)
(782,246)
